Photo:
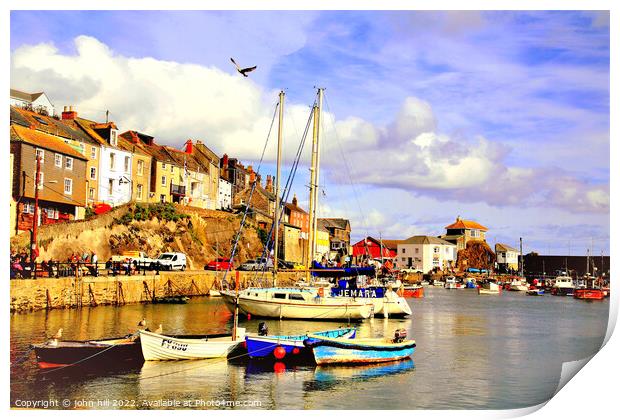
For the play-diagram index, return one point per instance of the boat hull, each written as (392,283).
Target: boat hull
(320,308)
(264,346)
(103,352)
(562,291)
(161,347)
(589,294)
(413,292)
(359,351)
(536,292)
(483,291)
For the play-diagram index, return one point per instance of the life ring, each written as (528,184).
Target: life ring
(321,292)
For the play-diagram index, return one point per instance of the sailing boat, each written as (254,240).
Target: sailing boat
(304,302)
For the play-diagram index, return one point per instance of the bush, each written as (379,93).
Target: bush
(141,212)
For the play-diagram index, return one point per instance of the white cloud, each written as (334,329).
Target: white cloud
(174,101)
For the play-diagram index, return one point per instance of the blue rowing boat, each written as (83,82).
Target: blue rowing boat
(280,346)
(360,351)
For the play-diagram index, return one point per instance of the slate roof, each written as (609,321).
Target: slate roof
(504,247)
(425,240)
(334,223)
(61,128)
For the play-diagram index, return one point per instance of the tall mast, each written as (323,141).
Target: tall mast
(317,166)
(311,220)
(276,216)
(521,252)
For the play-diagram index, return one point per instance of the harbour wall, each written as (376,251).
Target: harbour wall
(70,292)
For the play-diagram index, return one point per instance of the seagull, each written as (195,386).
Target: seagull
(243,71)
(159,330)
(54,339)
(142,323)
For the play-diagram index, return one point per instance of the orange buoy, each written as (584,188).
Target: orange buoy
(295,350)
(279,352)
(279,367)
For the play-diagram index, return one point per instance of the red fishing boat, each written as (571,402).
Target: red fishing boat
(589,294)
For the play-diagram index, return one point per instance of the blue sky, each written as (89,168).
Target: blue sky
(498,116)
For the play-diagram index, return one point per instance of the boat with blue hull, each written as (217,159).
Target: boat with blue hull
(281,346)
(360,351)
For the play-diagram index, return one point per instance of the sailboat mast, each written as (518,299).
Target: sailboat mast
(311,220)
(317,166)
(276,217)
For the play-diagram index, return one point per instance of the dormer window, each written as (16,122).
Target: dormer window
(113,140)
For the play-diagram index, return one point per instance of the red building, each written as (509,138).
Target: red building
(372,247)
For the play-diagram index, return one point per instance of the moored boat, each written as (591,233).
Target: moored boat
(163,347)
(519,285)
(291,303)
(280,346)
(589,294)
(121,350)
(360,351)
(490,289)
(563,286)
(536,292)
(450,283)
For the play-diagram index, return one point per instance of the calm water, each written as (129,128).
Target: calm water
(473,352)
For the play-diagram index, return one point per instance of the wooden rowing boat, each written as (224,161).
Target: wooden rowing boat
(163,347)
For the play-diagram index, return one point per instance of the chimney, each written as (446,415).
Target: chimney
(259,179)
(134,137)
(252,174)
(225,161)
(295,200)
(269,184)
(69,113)
(189,147)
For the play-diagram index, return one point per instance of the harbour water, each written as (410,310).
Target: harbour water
(473,352)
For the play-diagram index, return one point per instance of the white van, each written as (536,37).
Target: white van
(171,261)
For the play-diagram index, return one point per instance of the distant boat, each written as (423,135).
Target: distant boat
(490,289)
(450,283)
(265,346)
(359,351)
(563,286)
(163,347)
(171,299)
(111,351)
(536,292)
(519,285)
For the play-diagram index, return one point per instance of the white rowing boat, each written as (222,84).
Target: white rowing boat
(162,347)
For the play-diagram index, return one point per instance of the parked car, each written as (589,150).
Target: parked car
(137,257)
(220,264)
(257,264)
(170,261)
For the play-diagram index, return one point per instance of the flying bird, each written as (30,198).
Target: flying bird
(242,71)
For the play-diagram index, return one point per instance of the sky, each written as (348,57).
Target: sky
(501,117)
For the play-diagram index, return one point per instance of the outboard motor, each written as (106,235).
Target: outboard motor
(400,335)
(262,329)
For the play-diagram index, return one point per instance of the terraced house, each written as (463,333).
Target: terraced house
(61,188)
(210,164)
(114,181)
(141,162)
(69,132)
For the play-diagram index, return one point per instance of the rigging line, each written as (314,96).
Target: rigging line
(286,191)
(347,167)
(245,213)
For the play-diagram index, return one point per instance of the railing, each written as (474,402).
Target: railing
(70,269)
(177,189)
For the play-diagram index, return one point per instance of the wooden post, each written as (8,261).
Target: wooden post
(236,314)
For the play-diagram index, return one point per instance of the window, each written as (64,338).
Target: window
(58,160)
(417,250)
(162,198)
(68,186)
(112,156)
(436,250)
(126,163)
(113,141)
(40,185)
(163,181)
(29,208)
(52,213)
(279,295)
(69,163)
(163,165)
(139,192)
(295,296)
(110,186)
(140,167)
(39,153)
(475,233)
(171,169)
(93,153)
(403,251)
(93,173)
(91,193)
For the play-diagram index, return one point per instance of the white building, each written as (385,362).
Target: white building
(115,181)
(424,253)
(224,195)
(38,102)
(507,257)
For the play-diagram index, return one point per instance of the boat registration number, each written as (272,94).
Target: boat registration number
(173,345)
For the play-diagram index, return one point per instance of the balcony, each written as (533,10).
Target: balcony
(177,190)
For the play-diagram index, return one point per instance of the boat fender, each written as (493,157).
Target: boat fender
(321,292)
(295,350)
(279,352)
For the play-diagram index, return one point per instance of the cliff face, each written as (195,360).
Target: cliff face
(202,235)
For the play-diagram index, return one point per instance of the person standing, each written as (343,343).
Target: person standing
(94,260)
